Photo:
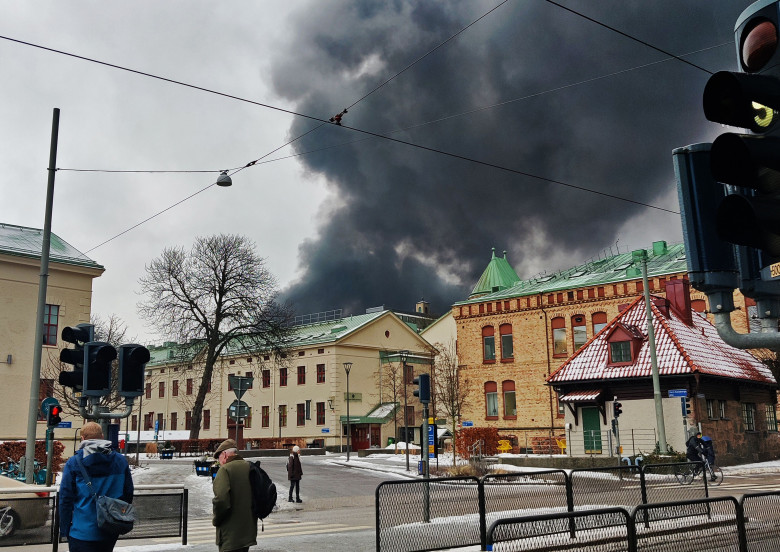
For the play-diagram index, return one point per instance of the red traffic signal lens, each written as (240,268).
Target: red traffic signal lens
(55,410)
(759,46)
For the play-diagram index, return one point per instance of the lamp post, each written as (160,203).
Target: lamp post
(347,368)
(403,355)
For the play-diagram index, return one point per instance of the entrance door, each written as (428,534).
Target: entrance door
(591,425)
(360,437)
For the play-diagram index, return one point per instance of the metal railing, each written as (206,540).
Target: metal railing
(404,524)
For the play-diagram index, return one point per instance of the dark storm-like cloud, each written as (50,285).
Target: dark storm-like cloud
(404,218)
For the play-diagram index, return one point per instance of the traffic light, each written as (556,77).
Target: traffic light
(617,409)
(749,215)
(53,417)
(98,357)
(423,391)
(81,334)
(687,406)
(132,362)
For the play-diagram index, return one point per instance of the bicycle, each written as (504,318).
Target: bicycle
(9,521)
(685,474)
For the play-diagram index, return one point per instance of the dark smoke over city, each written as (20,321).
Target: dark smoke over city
(580,104)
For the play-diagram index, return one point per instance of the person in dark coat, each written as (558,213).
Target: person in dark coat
(709,449)
(694,449)
(232,502)
(110,476)
(294,474)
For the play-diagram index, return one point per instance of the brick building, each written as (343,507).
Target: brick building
(512,334)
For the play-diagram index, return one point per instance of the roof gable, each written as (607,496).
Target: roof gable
(28,242)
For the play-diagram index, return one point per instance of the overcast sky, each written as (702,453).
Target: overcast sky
(362,221)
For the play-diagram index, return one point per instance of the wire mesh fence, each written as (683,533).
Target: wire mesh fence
(602,530)
(522,493)
(761,513)
(26,517)
(604,487)
(673,482)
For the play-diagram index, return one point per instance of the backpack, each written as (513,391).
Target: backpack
(263,491)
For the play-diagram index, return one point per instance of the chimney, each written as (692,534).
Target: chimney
(678,292)
(662,304)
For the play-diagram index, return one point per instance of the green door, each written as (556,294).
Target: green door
(591,425)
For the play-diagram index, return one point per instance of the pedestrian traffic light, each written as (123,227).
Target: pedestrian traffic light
(749,215)
(423,391)
(687,406)
(79,335)
(617,409)
(53,417)
(98,357)
(132,363)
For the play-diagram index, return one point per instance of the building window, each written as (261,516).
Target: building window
(230,386)
(301,375)
(491,399)
(712,407)
(175,390)
(301,414)
(722,409)
(51,315)
(510,406)
(148,390)
(174,421)
(134,423)
(266,416)
(320,413)
(408,373)
(206,419)
(771,418)
(301,353)
(749,416)
(282,377)
(266,378)
(189,386)
(599,320)
(320,351)
(409,416)
(488,344)
(320,373)
(148,423)
(620,351)
(282,415)
(188,420)
(507,351)
(161,389)
(248,420)
(251,382)
(160,421)
(578,331)
(558,325)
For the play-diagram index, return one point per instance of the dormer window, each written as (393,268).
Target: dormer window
(620,351)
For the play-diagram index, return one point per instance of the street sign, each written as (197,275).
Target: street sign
(678,392)
(467,424)
(63,424)
(431,441)
(238,409)
(326,430)
(240,384)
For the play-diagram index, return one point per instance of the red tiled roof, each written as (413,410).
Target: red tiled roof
(581,396)
(680,349)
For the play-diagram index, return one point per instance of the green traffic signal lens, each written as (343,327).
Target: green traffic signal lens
(759,46)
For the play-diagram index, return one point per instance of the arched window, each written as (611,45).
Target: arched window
(507,350)
(510,405)
(488,344)
(578,330)
(558,325)
(491,399)
(599,321)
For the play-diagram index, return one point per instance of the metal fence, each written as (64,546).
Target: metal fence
(27,516)
(722,524)
(418,515)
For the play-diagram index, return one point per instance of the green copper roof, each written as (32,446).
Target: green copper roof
(28,242)
(498,275)
(662,260)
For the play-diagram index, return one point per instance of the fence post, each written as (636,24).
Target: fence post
(378,526)
(631,532)
(482,515)
(642,483)
(55,538)
(570,503)
(185,499)
(741,524)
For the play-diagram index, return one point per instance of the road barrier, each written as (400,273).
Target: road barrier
(405,524)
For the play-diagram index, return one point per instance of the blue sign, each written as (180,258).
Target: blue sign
(467,424)
(63,424)
(431,441)
(326,430)
(678,392)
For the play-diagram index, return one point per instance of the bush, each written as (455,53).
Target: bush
(150,448)
(655,457)
(468,436)
(16,449)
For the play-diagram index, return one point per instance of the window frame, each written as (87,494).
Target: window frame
(320,373)
(488,345)
(578,329)
(265,416)
(301,373)
(622,345)
(505,336)
(282,377)
(507,391)
(266,375)
(770,413)
(50,328)
(749,416)
(491,400)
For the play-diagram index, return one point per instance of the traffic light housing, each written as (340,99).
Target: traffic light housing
(53,418)
(423,391)
(98,357)
(78,336)
(687,406)
(617,409)
(749,164)
(132,363)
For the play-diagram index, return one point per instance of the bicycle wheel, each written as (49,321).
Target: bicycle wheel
(716,476)
(8,522)
(684,475)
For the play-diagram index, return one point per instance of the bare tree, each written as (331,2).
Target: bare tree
(111,330)
(449,398)
(218,295)
(390,382)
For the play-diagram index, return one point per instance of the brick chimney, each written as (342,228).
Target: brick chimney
(678,292)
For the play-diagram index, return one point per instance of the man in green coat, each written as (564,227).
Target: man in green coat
(232,502)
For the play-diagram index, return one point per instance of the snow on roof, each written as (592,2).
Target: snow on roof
(680,349)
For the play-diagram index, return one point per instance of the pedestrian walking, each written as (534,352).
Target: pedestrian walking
(110,476)
(294,474)
(232,502)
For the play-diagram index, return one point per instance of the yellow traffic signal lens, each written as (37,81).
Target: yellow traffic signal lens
(764,116)
(759,46)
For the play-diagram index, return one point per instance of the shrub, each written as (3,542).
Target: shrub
(16,449)
(468,436)
(150,448)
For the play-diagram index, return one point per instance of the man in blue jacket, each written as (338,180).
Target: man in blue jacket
(110,475)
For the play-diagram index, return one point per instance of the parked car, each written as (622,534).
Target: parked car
(26,508)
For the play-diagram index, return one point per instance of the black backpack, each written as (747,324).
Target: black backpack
(263,491)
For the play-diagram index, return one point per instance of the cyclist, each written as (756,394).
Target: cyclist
(709,452)
(694,450)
